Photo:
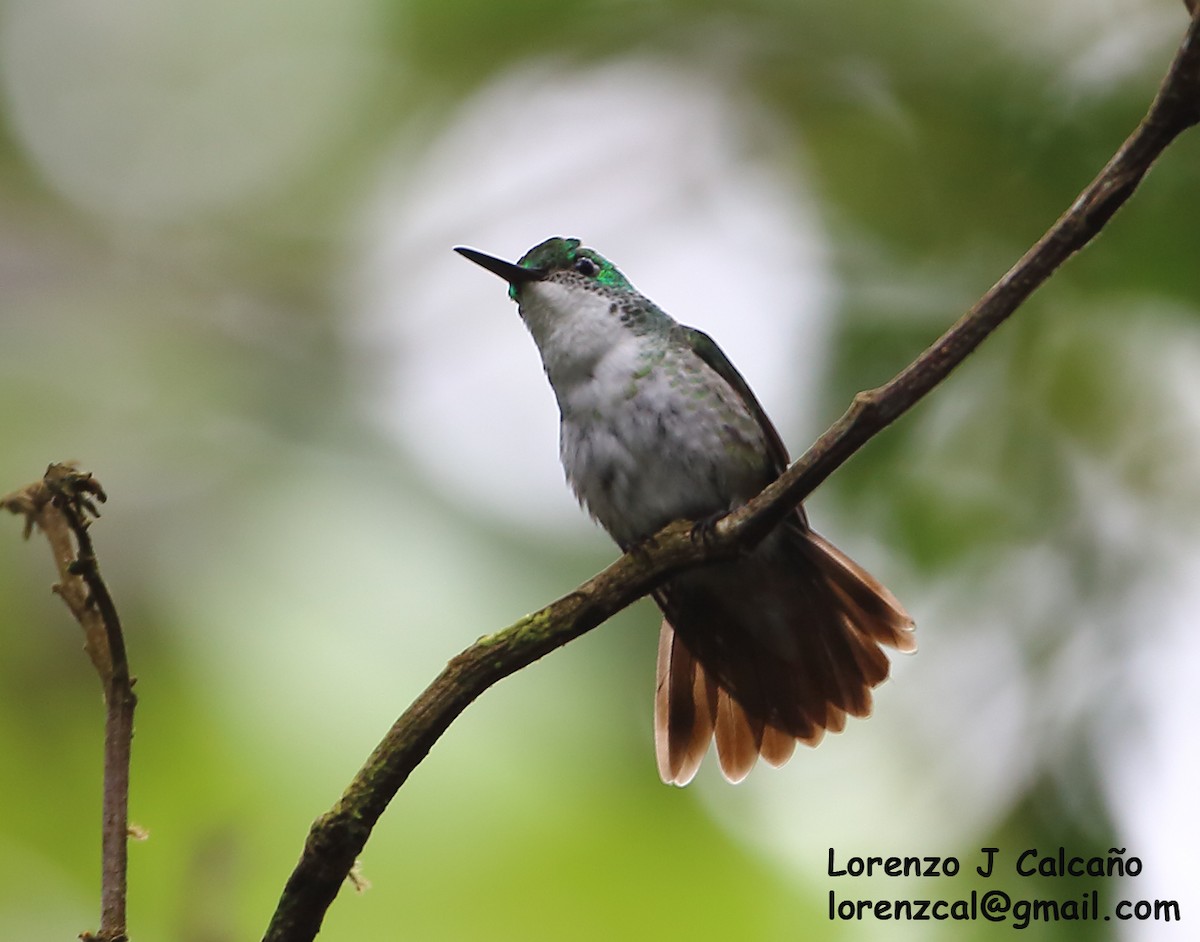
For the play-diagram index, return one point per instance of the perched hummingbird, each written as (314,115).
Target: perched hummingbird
(775,646)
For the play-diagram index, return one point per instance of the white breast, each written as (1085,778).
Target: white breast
(649,433)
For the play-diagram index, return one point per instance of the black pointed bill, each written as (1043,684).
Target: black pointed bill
(513,274)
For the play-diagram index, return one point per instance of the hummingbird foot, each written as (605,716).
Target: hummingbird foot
(704,530)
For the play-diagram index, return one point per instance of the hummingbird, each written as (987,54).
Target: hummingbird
(774,647)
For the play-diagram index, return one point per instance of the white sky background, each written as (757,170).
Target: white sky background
(1152,782)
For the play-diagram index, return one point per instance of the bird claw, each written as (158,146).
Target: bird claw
(704,530)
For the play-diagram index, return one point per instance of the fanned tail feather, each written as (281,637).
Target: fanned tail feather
(738,735)
(685,706)
(728,673)
(869,604)
(690,710)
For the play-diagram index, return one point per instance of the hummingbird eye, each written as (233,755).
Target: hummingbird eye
(585,266)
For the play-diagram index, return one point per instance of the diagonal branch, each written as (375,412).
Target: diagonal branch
(336,838)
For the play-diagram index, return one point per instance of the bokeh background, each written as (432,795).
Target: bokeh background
(226,287)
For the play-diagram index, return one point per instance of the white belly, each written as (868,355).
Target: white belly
(644,442)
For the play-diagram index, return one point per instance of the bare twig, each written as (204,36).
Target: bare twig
(61,505)
(337,837)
